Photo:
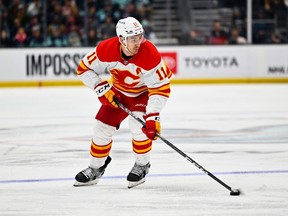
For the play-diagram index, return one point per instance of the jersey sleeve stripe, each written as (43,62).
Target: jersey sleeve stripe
(162,90)
(82,68)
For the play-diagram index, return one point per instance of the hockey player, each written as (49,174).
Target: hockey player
(140,80)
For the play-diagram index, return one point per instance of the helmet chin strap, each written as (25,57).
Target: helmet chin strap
(126,45)
(128,50)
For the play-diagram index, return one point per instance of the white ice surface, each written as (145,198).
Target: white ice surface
(237,132)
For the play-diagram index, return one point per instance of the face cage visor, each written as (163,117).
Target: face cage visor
(135,39)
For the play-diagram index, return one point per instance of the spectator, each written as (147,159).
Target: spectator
(192,38)
(121,3)
(71,15)
(55,12)
(235,38)
(74,39)
(5,40)
(260,37)
(130,10)
(148,30)
(269,15)
(56,37)
(4,17)
(22,15)
(51,9)
(34,8)
(238,17)
(218,34)
(34,21)
(267,8)
(93,20)
(276,38)
(21,39)
(108,28)
(13,10)
(105,12)
(67,8)
(68,13)
(14,28)
(92,38)
(144,7)
(36,38)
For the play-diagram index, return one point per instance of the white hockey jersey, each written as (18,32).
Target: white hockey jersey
(145,71)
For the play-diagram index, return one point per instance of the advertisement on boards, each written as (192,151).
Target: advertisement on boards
(186,62)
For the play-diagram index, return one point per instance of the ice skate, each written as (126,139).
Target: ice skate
(90,176)
(137,175)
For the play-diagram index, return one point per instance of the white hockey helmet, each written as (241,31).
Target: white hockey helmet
(128,26)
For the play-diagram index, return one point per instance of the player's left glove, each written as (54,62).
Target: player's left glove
(106,94)
(153,126)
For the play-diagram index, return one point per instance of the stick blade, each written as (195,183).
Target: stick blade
(236,192)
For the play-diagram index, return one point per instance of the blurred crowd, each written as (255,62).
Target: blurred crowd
(65,23)
(269,26)
(271,18)
(75,23)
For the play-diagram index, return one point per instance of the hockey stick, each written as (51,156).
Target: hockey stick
(233,192)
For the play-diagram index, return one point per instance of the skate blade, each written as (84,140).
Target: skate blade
(81,184)
(134,184)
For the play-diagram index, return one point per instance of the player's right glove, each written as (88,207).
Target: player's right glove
(106,94)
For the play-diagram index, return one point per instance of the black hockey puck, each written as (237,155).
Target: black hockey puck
(235,192)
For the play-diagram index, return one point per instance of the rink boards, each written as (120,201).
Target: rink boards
(190,64)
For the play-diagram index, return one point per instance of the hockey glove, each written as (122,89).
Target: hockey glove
(153,126)
(106,94)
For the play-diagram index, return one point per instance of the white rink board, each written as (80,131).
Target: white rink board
(189,62)
(40,64)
